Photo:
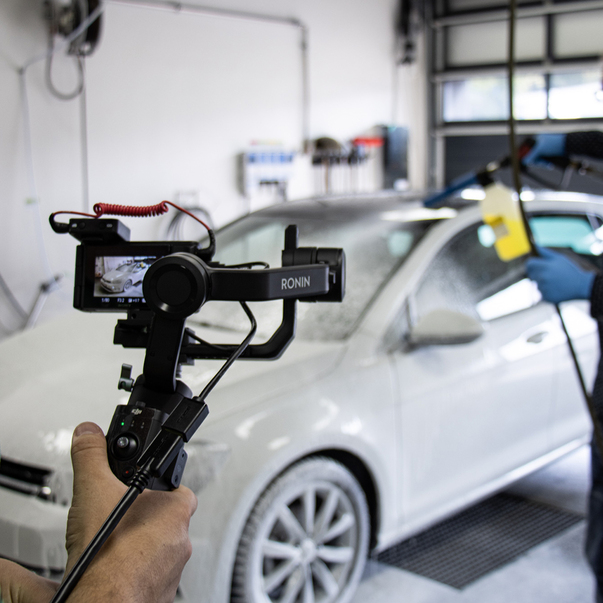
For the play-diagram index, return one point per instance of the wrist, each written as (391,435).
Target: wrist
(103,582)
(555,145)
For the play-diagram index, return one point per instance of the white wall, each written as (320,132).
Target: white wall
(171,99)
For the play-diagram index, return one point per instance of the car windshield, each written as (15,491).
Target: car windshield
(375,244)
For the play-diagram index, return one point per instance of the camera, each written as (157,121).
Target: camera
(158,285)
(110,270)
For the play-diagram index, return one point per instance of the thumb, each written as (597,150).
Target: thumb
(88,454)
(95,489)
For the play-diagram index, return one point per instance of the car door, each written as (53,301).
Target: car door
(473,412)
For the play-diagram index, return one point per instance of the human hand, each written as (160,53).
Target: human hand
(558,278)
(144,557)
(546,145)
(18,585)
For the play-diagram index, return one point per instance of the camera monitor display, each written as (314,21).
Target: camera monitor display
(120,276)
(110,277)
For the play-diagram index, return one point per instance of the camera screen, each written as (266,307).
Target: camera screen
(120,276)
(109,277)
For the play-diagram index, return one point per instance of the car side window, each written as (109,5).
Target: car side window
(579,233)
(467,276)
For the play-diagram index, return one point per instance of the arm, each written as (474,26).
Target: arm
(585,143)
(565,145)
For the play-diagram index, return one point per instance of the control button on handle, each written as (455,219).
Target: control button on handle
(125,446)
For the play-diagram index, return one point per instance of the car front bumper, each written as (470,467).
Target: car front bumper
(32,531)
(111,287)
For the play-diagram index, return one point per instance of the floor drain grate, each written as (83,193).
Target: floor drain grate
(479,540)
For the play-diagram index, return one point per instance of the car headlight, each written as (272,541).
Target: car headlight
(26,479)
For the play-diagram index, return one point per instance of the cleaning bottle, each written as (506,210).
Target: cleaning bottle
(500,210)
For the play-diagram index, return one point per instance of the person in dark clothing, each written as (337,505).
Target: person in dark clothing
(560,279)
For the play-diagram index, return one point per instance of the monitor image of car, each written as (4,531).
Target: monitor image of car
(120,275)
(440,379)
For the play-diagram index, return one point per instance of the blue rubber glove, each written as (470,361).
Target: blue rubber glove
(558,278)
(546,145)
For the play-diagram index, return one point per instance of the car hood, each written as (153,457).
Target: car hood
(66,371)
(114,275)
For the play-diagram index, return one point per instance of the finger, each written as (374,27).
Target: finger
(545,252)
(95,489)
(188,498)
(22,586)
(535,268)
(537,251)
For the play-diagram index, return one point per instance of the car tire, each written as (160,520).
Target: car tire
(306,538)
(127,284)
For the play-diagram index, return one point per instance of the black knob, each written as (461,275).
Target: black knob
(125,446)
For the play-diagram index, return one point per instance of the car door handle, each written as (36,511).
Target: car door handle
(537,337)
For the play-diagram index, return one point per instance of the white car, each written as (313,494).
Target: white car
(123,277)
(439,380)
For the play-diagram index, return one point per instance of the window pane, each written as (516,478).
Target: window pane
(467,276)
(486,98)
(375,247)
(572,232)
(486,43)
(516,297)
(578,34)
(576,95)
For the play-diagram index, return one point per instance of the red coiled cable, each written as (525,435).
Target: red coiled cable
(100,209)
(135,211)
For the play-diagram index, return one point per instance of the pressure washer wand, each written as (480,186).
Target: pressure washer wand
(480,177)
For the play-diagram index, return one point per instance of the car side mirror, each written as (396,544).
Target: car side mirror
(444,327)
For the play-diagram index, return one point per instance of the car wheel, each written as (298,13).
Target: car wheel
(127,284)
(306,539)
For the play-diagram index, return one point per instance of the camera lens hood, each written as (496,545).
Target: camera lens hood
(176,285)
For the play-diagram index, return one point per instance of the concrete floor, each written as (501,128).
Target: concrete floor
(555,571)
